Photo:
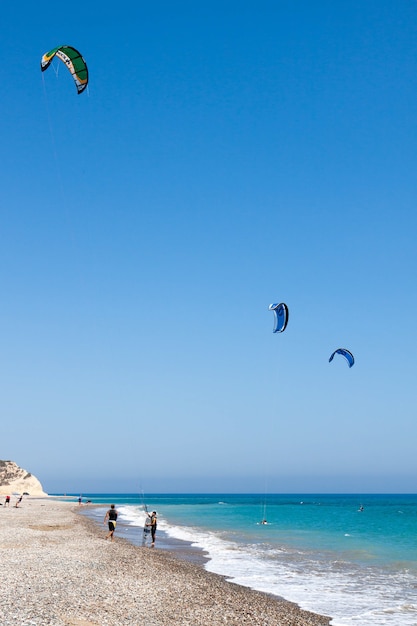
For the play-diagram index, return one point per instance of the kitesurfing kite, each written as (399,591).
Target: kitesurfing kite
(348,355)
(280,316)
(74,62)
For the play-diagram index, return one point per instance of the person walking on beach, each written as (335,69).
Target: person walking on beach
(111,517)
(7,501)
(18,501)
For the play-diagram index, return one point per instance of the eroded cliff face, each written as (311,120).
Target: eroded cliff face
(14,479)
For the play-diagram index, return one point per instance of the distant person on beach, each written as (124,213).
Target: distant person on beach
(80,500)
(152,523)
(19,501)
(7,501)
(111,517)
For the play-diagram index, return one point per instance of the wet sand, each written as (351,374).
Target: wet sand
(57,569)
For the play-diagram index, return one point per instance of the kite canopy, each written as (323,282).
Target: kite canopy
(74,62)
(343,352)
(281,315)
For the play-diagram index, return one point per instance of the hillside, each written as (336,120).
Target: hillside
(14,479)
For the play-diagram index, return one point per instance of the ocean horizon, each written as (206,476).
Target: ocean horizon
(350,556)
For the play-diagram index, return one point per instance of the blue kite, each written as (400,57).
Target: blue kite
(343,352)
(281,315)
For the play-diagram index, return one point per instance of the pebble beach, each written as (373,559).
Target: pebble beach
(58,570)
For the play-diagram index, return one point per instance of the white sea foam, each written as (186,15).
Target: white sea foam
(352,595)
(132,515)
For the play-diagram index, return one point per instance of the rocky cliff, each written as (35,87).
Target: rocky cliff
(14,479)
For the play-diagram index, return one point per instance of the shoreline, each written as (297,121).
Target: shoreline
(58,569)
(133,534)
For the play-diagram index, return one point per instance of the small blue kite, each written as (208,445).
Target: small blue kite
(348,356)
(281,315)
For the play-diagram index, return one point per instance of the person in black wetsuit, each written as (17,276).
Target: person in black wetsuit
(111,517)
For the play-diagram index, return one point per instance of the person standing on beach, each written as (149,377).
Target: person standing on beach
(111,517)
(153,522)
(7,501)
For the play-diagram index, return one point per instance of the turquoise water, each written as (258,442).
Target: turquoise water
(321,551)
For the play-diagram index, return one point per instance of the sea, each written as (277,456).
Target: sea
(350,557)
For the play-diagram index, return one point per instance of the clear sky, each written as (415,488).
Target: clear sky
(227,155)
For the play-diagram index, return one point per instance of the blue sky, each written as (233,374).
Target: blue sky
(226,156)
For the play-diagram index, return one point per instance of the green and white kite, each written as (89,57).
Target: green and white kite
(74,62)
